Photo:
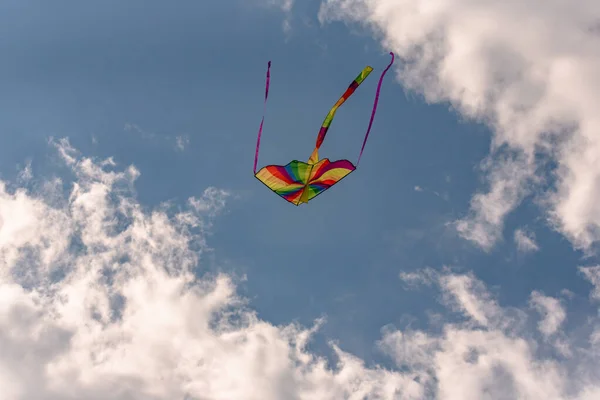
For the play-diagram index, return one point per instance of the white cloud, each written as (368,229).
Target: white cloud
(99,299)
(25,174)
(592,274)
(133,128)
(552,311)
(469,296)
(181,142)
(498,357)
(425,276)
(553,315)
(530,72)
(488,210)
(525,241)
(286,7)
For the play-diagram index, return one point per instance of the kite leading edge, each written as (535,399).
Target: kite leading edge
(298,182)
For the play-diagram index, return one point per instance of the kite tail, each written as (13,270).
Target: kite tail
(314,157)
(374,107)
(263,117)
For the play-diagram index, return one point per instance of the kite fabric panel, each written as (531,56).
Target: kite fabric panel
(299,182)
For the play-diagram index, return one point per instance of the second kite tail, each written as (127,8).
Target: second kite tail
(374,107)
(263,116)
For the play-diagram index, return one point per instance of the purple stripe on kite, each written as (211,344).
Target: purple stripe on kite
(345,164)
(342,164)
(263,117)
(374,107)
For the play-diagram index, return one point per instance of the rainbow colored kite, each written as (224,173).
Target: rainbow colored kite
(298,182)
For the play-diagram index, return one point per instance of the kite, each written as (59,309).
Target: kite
(298,182)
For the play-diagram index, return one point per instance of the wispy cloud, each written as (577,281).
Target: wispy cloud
(552,311)
(425,276)
(529,73)
(592,274)
(525,241)
(421,189)
(485,222)
(25,174)
(133,128)
(179,142)
(286,6)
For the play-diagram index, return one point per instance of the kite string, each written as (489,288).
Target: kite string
(263,116)
(374,107)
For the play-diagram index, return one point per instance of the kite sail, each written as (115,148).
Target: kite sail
(298,182)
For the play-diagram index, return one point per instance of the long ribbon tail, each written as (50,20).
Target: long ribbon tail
(314,157)
(374,107)
(263,116)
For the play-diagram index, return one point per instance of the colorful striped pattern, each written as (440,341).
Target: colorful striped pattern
(314,157)
(299,182)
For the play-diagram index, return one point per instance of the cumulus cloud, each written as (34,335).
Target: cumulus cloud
(101,298)
(527,70)
(492,353)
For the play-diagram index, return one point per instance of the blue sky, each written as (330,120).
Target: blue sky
(132,80)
